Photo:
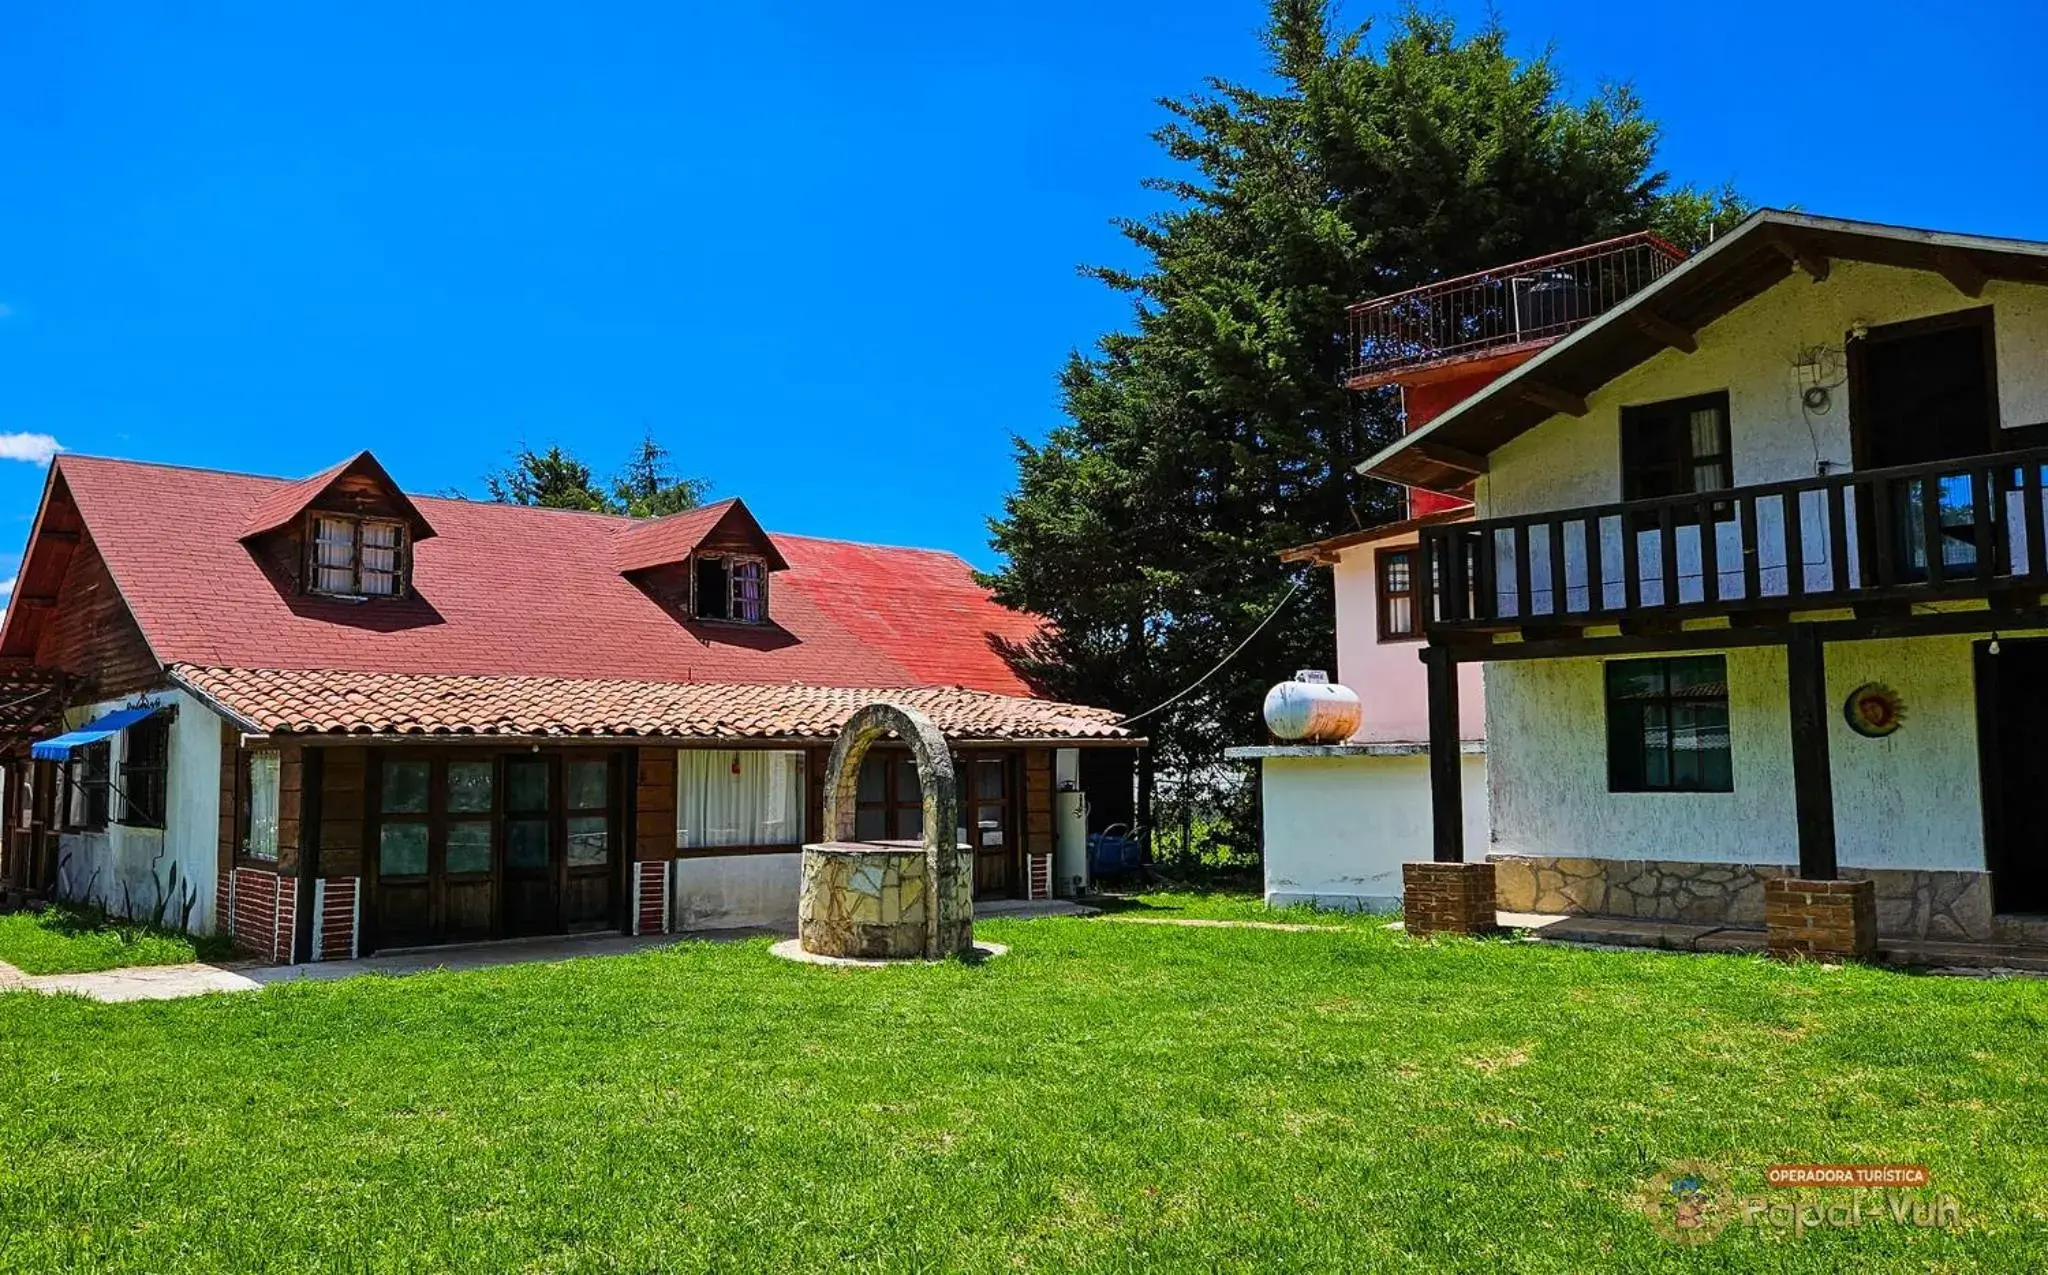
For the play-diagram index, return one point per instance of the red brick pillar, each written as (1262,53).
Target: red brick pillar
(1448,898)
(1821,920)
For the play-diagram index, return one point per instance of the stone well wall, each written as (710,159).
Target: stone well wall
(869,900)
(1911,903)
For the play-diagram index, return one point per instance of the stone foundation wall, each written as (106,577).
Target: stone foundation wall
(1911,903)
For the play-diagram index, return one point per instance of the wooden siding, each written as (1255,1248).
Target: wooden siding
(290,782)
(1038,781)
(654,836)
(343,780)
(91,634)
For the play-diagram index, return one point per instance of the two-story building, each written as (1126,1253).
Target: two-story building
(327,717)
(1755,570)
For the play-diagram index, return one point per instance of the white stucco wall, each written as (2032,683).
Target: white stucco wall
(1338,829)
(101,863)
(731,891)
(1388,676)
(1910,800)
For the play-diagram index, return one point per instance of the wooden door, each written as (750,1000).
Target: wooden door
(401,827)
(1920,393)
(988,810)
(531,877)
(591,819)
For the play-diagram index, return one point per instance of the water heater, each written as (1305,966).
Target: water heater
(1070,844)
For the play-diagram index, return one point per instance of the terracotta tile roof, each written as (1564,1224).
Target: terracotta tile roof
(300,701)
(505,591)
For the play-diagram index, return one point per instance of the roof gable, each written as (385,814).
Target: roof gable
(356,485)
(1769,245)
(727,525)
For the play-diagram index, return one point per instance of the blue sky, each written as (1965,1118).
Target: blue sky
(826,252)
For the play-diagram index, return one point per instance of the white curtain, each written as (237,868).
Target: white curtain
(262,842)
(334,555)
(743,797)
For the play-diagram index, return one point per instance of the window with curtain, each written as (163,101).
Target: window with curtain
(1676,448)
(743,797)
(358,557)
(259,805)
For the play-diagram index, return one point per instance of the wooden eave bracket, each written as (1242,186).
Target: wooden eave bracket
(1664,330)
(1814,263)
(1451,457)
(1960,269)
(1553,398)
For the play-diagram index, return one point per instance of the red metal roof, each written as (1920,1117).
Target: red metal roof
(510,591)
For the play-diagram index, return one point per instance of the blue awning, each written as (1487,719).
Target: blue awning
(60,747)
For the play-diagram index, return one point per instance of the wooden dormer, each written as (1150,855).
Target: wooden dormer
(713,562)
(349,530)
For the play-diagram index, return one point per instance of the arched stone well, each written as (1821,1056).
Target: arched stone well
(869,899)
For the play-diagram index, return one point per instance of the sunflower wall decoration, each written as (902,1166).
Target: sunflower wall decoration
(1874,710)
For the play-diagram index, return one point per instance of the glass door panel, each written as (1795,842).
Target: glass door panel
(529,887)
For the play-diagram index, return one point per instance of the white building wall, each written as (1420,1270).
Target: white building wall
(1338,829)
(1388,676)
(1910,800)
(97,866)
(733,891)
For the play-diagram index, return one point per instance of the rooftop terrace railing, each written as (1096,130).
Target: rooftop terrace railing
(1516,305)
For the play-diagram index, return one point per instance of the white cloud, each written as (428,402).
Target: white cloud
(7,587)
(36,449)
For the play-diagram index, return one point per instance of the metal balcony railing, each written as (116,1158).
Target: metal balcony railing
(1963,528)
(1520,304)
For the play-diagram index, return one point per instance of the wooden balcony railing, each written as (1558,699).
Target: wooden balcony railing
(1535,300)
(1963,528)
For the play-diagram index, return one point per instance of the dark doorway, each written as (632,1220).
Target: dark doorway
(2012,731)
(1920,393)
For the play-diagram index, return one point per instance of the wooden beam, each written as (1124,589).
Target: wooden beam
(36,600)
(1553,398)
(1449,456)
(1813,262)
(61,537)
(1446,767)
(1813,787)
(1663,329)
(1956,266)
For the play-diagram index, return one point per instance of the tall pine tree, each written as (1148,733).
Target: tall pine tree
(1219,432)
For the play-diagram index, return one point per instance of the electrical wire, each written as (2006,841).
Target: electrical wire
(1195,685)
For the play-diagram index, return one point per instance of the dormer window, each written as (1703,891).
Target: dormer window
(730,587)
(357,557)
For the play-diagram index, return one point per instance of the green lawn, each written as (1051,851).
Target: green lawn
(1108,1096)
(64,940)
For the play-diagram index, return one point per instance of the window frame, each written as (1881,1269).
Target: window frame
(139,777)
(245,795)
(1384,594)
(1674,414)
(401,568)
(731,562)
(1668,700)
(91,794)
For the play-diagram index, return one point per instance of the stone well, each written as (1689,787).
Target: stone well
(888,898)
(869,899)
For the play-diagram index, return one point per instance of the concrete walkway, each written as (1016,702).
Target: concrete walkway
(170,982)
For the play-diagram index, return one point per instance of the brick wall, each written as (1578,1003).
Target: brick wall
(1448,898)
(1823,920)
(650,897)
(265,913)
(334,935)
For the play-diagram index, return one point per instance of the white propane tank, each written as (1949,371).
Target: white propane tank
(1311,709)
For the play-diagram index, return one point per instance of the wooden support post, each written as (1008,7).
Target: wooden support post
(1813,790)
(1446,773)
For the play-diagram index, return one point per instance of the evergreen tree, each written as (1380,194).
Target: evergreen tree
(650,487)
(553,479)
(1218,431)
